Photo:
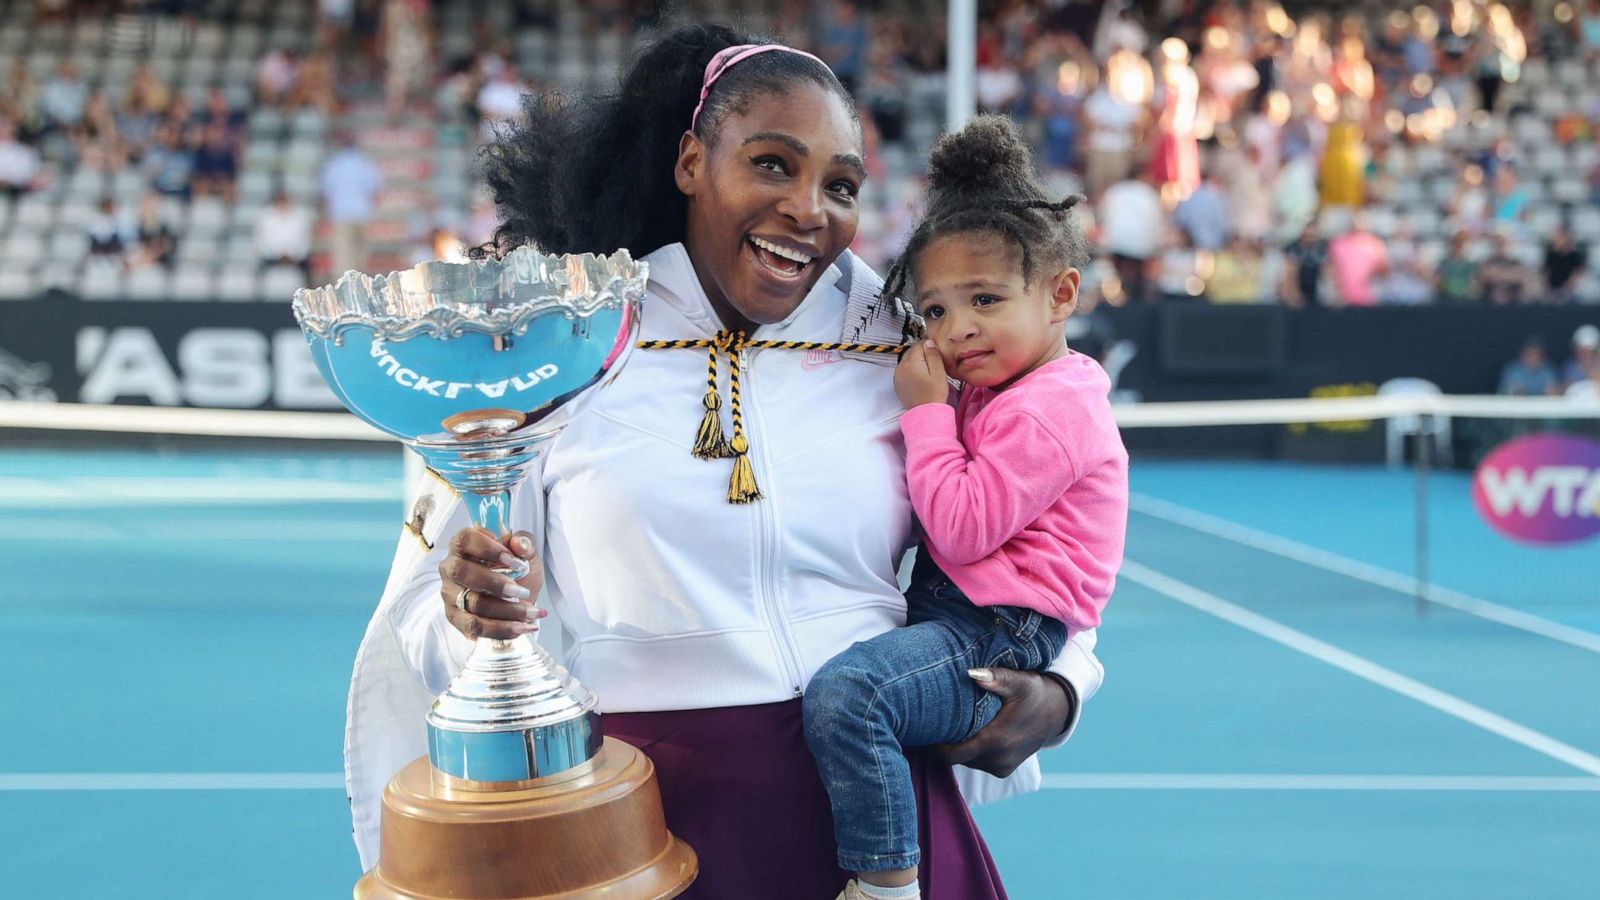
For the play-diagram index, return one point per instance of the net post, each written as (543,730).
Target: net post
(1424,463)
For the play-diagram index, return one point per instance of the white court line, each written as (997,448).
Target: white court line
(172,781)
(39,493)
(1183,781)
(259,531)
(1273,630)
(1353,568)
(1119,781)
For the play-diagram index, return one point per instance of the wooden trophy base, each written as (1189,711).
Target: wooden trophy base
(591,832)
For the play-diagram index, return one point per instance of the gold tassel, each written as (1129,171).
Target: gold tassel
(742,486)
(709,443)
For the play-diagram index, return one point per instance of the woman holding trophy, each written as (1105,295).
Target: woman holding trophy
(696,581)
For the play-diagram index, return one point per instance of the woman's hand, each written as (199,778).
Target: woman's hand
(1034,709)
(920,376)
(493,605)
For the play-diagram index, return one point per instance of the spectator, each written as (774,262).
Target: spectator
(1180,268)
(313,85)
(350,182)
(97,140)
(19,163)
(63,98)
(1294,197)
(1176,162)
(499,100)
(1530,374)
(170,163)
(1355,259)
(1458,275)
(1130,228)
(1564,265)
(19,101)
(1509,198)
(283,235)
(110,235)
(1058,105)
(146,91)
(275,76)
(216,163)
(1504,278)
(1236,273)
(843,42)
(137,124)
(1110,125)
(219,112)
(157,242)
(1205,216)
(1305,265)
(883,94)
(1343,159)
(405,35)
(482,220)
(1585,362)
(1404,281)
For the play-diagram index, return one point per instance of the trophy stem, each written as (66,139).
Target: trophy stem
(512,715)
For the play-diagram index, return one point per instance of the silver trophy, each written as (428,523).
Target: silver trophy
(476,366)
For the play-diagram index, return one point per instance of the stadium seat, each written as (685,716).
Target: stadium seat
(149,283)
(19,284)
(100,281)
(278,283)
(35,213)
(208,217)
(23,249)
(193,282)
(236,284)
(68,248)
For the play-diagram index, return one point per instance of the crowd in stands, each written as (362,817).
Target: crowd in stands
(1231,151)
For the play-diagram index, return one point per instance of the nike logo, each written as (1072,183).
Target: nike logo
(816,359)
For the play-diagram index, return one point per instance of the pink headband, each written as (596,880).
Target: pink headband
(732,56)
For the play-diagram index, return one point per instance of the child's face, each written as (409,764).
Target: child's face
(991,327)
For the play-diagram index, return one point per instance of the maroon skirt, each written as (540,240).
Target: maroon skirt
(739,785)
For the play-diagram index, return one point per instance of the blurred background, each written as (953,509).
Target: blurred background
(1346,283)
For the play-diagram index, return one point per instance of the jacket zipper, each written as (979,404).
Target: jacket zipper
(766,509)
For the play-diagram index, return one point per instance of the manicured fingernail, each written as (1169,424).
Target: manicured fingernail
(523,627)
(524,546)
(511,562)
(514,591)
(980,674)
(534,613)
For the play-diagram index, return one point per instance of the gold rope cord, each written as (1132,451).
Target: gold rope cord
(709,442)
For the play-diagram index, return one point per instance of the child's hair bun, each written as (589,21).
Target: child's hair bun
(987,154)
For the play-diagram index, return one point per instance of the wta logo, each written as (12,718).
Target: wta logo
(1541,489)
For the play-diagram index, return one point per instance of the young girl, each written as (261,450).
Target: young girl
(1021,489)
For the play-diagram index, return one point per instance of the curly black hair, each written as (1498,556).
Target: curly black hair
(981,180)
(595,174)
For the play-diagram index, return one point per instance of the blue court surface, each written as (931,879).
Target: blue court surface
(1277,721)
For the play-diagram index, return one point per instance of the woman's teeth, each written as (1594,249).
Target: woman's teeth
(794,256)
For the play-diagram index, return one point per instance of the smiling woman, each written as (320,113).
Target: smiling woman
(698,613)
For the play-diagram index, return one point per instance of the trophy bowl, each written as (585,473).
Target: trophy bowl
(477,366)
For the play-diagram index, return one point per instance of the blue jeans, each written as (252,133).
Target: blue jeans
(909,688)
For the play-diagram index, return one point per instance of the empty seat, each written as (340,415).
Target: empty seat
(193,282)
(236,284)
(149,283)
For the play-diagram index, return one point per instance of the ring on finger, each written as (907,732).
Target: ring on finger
(461,599)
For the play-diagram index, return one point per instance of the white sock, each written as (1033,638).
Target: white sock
(878,892)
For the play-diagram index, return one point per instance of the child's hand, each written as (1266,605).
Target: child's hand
(920,376)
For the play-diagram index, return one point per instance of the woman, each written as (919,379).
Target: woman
(698,621)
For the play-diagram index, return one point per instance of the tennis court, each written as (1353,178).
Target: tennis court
(1278,720)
